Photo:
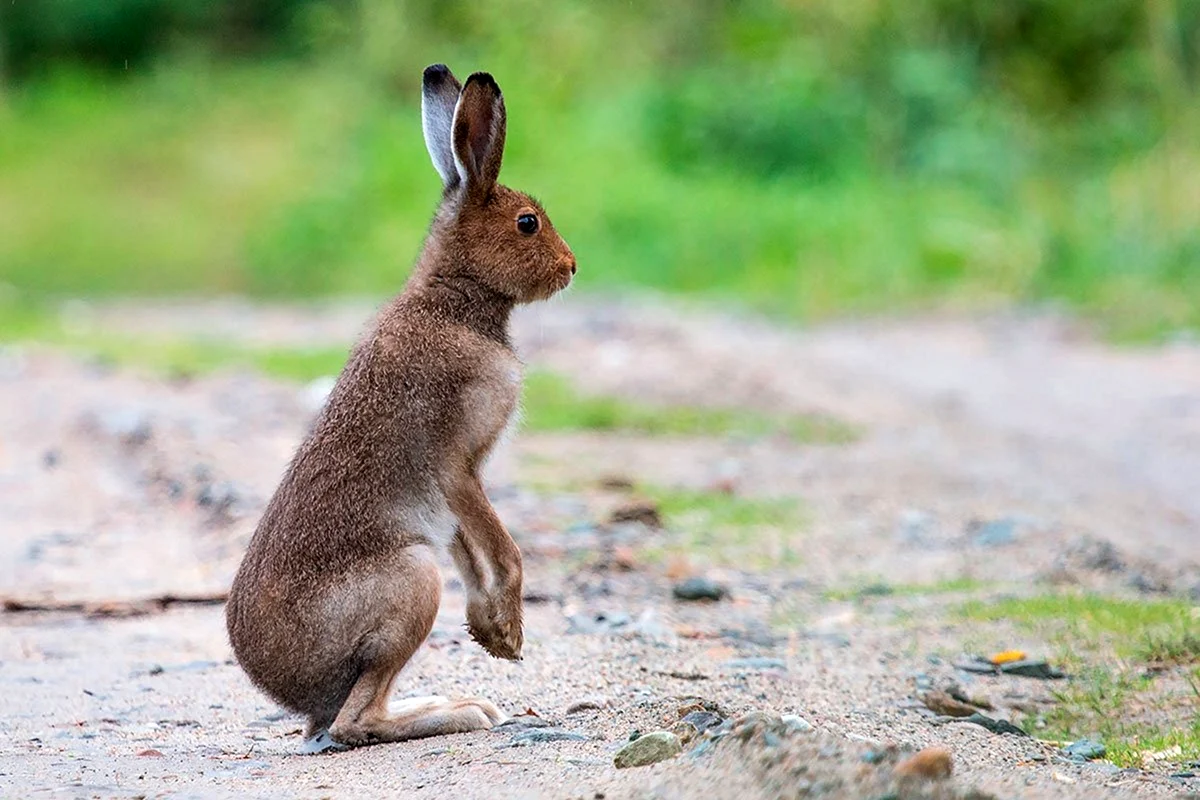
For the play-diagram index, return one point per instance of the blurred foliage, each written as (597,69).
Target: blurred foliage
(808,158)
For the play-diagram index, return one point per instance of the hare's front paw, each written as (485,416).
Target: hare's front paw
(495,622)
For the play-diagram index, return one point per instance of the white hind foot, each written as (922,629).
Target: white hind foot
(409,705)
(418,718)
(321,742)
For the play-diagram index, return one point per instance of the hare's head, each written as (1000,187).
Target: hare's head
(500,237)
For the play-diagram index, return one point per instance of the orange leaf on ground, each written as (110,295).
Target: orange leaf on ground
(1007,657)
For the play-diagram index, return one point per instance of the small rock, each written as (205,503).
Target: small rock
(643,511)
(649,749)
(698,588)
(932,763)
(1094,554)
(874,756)
(914,526)
(796,723)
(977,666)
(1148,581)
(956,691)
(151,753)
(1085,750)
(523,722)
(587,704)
(1032,668)
(993,533)
(999,726)
(599,622)
(756,663)
(702,720)
(128,426)
(943,703)
(543,735)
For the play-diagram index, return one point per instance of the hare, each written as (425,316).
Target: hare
(340,583)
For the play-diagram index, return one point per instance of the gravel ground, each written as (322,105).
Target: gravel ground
(117,485)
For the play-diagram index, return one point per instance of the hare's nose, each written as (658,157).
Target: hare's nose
(570,262)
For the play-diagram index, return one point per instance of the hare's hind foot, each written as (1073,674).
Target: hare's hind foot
(321,742)
(417,718)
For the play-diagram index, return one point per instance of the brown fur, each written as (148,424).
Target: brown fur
(340,586)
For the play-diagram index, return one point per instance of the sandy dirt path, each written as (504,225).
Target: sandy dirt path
(117,484)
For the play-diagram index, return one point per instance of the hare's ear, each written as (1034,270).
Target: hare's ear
(479,126)
(439,95)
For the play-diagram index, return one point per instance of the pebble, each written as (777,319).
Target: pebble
(522,722)
(943,703)
(1085,750)
(543,735)
(1032,668)
(698,588)
(999,726)
(702,720)
(994,532)
(796,723)
(649,749)
(644,511)
(758,663)
(932,763)
(129,426)
(587,704)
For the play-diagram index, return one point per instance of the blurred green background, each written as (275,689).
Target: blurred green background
(804,158)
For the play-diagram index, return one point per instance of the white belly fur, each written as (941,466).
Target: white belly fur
(429,517)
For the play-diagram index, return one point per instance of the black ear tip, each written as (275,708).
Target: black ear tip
(435,74)
(485,80)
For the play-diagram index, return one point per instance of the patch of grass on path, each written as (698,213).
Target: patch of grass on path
(1133,682)
(1139,718)
(552,403)
(879,588)
(750,532)
(1128,627)
(169,357)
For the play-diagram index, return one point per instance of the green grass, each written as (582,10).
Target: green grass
(552,403)
(703,510)
(1129,713)
(1106,644)
(731,529)
(309,178)
(168,357)
(1127,627)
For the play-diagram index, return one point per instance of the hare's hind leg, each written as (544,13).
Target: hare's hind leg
(365,717)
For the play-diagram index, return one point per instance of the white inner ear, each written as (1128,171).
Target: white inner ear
(437,123)
(458,162)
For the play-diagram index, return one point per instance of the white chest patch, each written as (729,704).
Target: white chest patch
(431,519)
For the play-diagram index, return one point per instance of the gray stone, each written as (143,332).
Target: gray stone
(994,725)
(1085,750)
(698,588)
(649,749)
(994,532)
(797,723)
(756,663)
(1032,668)
(703,720)
(543,735)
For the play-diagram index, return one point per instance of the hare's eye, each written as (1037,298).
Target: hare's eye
(527,224)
